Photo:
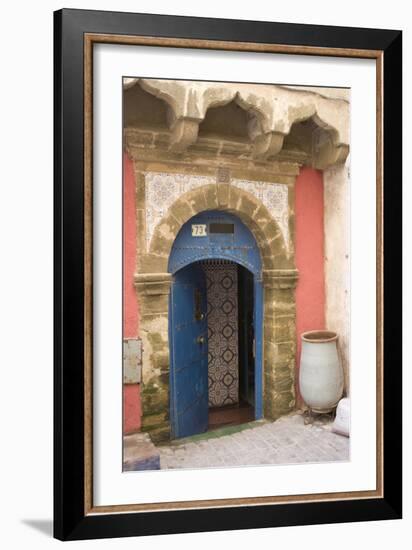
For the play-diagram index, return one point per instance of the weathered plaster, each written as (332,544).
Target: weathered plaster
(331,93)
(337,258)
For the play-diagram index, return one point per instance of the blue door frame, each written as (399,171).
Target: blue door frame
(213,235)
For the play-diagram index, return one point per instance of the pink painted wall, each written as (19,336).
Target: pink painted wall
(310,291)
(132,413)
(130,315)
(131,392)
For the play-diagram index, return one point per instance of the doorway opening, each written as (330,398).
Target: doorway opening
(230,328)
(213,346)
(215,325)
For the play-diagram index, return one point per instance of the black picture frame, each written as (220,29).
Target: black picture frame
(71,521)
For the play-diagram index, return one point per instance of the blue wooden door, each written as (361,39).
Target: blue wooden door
(188,335)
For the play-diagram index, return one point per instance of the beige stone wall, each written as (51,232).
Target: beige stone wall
(337,257)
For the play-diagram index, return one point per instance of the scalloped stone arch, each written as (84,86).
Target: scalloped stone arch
(225,197)
(272,111)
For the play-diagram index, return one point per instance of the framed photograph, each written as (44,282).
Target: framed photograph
(227,274)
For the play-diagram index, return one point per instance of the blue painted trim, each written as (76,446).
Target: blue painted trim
(239,247)
(243,251)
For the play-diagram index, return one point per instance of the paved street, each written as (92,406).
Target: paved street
(286,441)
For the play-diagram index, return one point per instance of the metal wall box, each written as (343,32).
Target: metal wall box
(132,361)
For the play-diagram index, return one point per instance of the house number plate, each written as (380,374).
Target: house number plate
(199,230)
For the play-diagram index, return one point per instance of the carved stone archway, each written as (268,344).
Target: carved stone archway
(279,280)
(272,111)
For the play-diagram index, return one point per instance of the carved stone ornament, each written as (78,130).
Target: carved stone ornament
(272,110)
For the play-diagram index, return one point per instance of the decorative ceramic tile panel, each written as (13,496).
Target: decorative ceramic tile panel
(274,196)
(161,191)
(222,321)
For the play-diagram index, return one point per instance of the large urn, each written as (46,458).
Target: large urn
(321,373)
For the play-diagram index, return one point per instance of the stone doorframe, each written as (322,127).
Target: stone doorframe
(279,281)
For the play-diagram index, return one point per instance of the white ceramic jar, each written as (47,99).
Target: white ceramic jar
(321,373)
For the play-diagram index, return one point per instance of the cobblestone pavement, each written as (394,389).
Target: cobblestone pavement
(286,441)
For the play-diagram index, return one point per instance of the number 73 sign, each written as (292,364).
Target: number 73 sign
(199,230)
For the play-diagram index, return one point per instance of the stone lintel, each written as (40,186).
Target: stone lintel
(152,283)
(275,171)
(280,278)
(149,156)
